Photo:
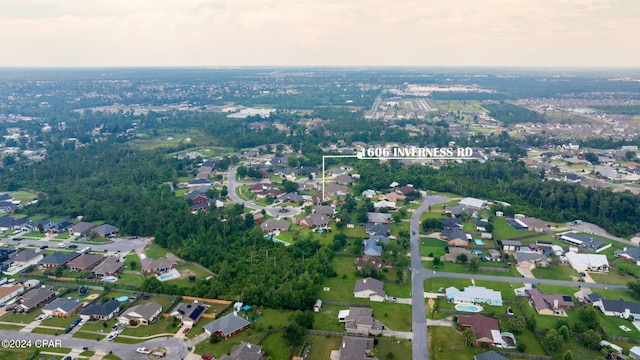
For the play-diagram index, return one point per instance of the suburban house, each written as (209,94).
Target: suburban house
(589,242)
(373,245)
(619,308)
(487,331)
(474,295)
(316,220)
(534,224)
(325,210)
(354,348)
(344,179)
(455,237)
(531,260)
(378,218)
(105,230)
(550,304)
(227,326)
(634,353)
(511,245)
(62,307)
(336,190)
(450,223)
(630,254)
(369,288)
(489,355)
(245,351)
(369,193)
(290,197)
(360,321)
(101,311)
(9,291)
(272,225)
(157,266)
(109,267)
(368,263)
(588,262)
(455,210)
(189,313)
(377,229)
(22,260)
(385,204)
(81,228)
(142,314)
(473,203)
(480,225)
(453,253)
(58,259)
(84,262)
(34,298)
(482,326)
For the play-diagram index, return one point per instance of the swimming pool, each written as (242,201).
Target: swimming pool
(167,276)
(468,308)
(524,249)
(110,279)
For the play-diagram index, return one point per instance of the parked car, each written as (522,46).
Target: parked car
(509,311)
(143,350)
(207,357)
(82,322)
(113,336)
(17,239)
(44,247)
(186,330)
(72,246)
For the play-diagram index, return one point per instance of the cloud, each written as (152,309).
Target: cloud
(318,32)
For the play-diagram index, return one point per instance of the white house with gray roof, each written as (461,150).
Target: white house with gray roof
(474,295)
(369,288)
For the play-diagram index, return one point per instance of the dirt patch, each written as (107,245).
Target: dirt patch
(92,297)
(430,305)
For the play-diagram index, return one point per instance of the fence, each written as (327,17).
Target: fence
(524,356)
(343,303)
(495,269)
(333,333)
(205,300)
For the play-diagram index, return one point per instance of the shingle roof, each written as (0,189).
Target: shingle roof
(63,304)
(105,229)
(59,258)
(369,284)
(109,266)
(227,324)
(101,309)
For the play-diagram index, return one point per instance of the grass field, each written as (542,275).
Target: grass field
(555,272)
(20,318)
(322,346)
(275,346)
(446,343)
(40,330)
(503,231)
(164,325)
(432,246)
(23,196)
(399,349)
(155,251)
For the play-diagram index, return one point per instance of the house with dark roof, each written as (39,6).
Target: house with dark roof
(84,262)
(631,254)
(61,227)
(245,351)
(101,311)
(368,263)
(489,355)
(379,218)
(589,242)
(109,267)
(26,256)
(377,229)
(81,228)
(451,223)
(34,298)
(189,313)
(373,245)
(480,225)
(141,314)
(369,288)
(550,304)
(511,245)
(618,308)
(105,230)
(58,258)
(455,237)
(344,179)
(62,307)
(531,260)
(315,221)
(227,326)
(354,348)
(336,190)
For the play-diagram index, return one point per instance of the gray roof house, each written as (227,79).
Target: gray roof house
(369,288)
(81,228)
(489,355)
(227,326)
(618,308)
(377,229)
(275,225)
(581,240)
(360,321)
(353,348)
(100,311)
(105,230)
(62,307)
(630,254)
(58,258)
(24,256)
(189,313)
(142,314)
(244,351)
(30,300)
(109,267)
(378,218)
(161,265)
(372,247)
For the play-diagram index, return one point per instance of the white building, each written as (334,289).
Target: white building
(588,262)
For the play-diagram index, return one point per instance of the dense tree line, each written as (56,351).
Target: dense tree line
(510,114)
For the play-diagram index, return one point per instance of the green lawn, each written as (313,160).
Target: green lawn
(432,246)
(99,326)
(185,271)
(23,196)
(10,327)
(91,336)
(164,325)
(47,331)
(327,318)
(60,322)
(399,348)
(132,257)
(446,343)
(503,231)
(322,346)
(275,346)
(464,268)
(181,192)
(135,279)
(155,251)
(555,272)
(20,318)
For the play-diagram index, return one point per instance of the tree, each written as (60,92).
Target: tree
(469,336)
(591,339)
(436,261)
(473,264)
(564,332)
(294,334)
(304,319)
(592,158)
(488,227)
(58,271)
(630,155)
(431,225)
(634,287)
(517,325)
(531,323)
(133,264)
(462,258)
(568,355)
(552,341)
(591,317)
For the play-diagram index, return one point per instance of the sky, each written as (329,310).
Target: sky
(540,33)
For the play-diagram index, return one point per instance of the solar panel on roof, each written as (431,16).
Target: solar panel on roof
(566,298)
(196,313)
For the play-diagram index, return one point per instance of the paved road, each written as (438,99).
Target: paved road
(420,343)
(123,245)
(176,348)
(231,188)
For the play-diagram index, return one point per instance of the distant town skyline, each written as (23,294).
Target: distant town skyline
(520,33)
